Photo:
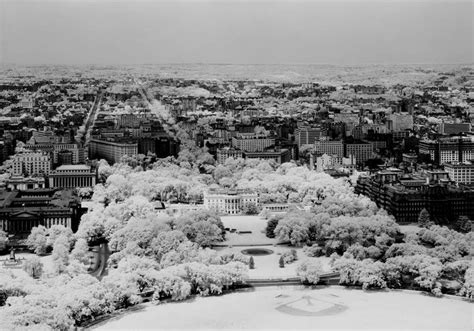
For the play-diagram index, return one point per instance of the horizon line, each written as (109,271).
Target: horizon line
(236,63)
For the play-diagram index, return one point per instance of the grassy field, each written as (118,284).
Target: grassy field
(303,308)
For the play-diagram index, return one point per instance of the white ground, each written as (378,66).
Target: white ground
(246,223)
(267,266)
(274,308)
(410,228)
(47,261)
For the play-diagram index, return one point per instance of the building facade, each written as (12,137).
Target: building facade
(460,173)
(20,211)
(71,176)
(448,150)
(228,202)
(361,151)
(227,152)
(111,150)
(307,136)
(252,142)
(330,147)
(31,164)
(404,198)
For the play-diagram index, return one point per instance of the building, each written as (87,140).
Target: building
(405,196)
(460,173)
(454,128)
(20,211)
(307,136)
(20,183)
(112,150)
(400,122)
(31,164)
(65,157)
(360,150)
(227,152)
(76,153)
(278,155)
(70,176)
(448,150)
(229,202)
(330,147)
(251,142)
(323,162)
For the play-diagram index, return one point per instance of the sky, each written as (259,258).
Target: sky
(241,32)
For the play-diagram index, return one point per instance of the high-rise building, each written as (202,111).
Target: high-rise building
(307,136)
(360,150)
(400,122)
(330,147)
(448,150)
(460,173)
(454,128)
(31,164)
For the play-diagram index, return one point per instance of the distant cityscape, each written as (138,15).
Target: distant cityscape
(123,186)
(412,145)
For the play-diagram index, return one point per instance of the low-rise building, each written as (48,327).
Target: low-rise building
(227,152)
(229,202)
(70,176)
(20,211)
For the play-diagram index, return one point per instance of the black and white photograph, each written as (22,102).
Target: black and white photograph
(236,165)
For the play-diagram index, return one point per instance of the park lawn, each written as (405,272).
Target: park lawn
(47,261)
(291,308)
(255,224)
(410,228)
(267,266)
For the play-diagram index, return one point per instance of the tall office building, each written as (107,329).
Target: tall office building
(307,136)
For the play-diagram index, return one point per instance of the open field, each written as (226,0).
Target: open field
(266,266)
(303,308)
(255,224)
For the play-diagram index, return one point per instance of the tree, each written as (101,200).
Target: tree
(309,271)
(281,262)
(80,252)
(60,254)
(3,240)
(58,230)
(38,240)
(250,209)
(33,267)
(463,224)
(202,227)
(270,229)
(424,219)
(251,263)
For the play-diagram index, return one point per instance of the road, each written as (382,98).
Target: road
(102,255)
(89,124)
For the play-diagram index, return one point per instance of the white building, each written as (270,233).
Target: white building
(228,202)
(460,173)
(31,164)
(227,152)
(251,142)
